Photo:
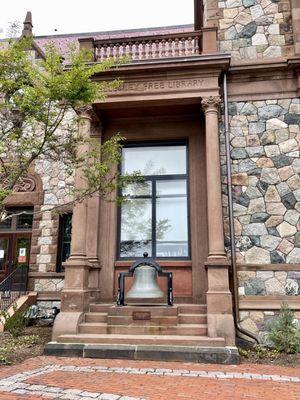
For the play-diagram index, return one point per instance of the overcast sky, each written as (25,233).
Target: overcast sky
(70,16)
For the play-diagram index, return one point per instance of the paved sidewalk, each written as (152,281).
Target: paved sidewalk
(87,379)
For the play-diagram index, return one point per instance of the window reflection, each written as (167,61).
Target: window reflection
(154,160)
(154,216)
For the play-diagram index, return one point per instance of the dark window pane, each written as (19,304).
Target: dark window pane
(65,236)
(171,227)
(3,252)
(6,223)
(24,220)
(155,160)
(136,228)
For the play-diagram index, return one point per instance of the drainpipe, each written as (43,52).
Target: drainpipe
(236,313)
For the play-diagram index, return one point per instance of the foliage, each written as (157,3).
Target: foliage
(283,332)
(14,324)
(9,346)
(40,101)
(259,352)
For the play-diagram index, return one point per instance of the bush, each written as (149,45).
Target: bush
(14,324)
(283,331)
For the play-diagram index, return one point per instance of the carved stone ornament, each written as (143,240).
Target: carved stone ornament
(26,185)
(86,112)
(211,102)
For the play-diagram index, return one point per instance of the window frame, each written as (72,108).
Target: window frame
(153,197)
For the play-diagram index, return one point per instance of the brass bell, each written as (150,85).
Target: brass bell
(145,285)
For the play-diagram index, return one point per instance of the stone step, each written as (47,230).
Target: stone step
(192,318)
(100,307)
(92,327)
(168,340)
(95,317)
(163,311)
(183,329)
(192,308)
(154,320)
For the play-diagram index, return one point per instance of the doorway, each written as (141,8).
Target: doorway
(15,240)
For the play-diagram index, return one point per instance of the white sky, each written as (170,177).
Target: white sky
(71,16)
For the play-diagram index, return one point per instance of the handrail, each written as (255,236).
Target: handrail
(149,47)
(13,286)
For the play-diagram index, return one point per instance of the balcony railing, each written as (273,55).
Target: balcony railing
(149,48)
(156,47)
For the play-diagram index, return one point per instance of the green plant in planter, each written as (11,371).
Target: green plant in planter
(283,331)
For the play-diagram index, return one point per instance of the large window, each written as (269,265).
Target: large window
(154,215)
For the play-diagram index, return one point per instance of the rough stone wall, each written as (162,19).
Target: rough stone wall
(257,322)
(256,29)
(265,144)
(262,282)
(57,187)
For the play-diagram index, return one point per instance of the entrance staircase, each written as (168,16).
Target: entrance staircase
(144,332)
(179,325)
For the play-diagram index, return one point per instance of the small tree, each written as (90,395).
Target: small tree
(39,105)
(283,331)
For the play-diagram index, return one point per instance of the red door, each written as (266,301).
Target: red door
(14,252)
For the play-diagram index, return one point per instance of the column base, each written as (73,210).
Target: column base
(220,322)
(221,325)
(66,323)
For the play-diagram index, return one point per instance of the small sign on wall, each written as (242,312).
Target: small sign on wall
(22,255)
(1,254)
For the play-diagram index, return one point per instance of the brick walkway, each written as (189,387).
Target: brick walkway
(87,379)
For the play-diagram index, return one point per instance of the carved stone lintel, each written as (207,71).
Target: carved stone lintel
(211,103)
(26,185)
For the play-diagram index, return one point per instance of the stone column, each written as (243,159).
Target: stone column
(219,300)
(75,295)
(213,177)
(93,229)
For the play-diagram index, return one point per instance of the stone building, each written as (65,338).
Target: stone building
(235,73)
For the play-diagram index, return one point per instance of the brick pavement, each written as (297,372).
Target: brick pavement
(87,379)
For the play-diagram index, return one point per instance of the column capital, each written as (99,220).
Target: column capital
(87,112)
(211,103)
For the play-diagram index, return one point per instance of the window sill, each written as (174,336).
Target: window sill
(162,263)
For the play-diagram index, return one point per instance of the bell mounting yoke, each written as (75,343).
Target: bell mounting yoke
(151,263)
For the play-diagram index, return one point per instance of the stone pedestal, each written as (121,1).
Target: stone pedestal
(220,321)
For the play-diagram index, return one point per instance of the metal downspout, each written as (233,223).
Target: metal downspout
(236,313)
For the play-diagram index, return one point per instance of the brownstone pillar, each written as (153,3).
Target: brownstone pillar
(75,295)
(213,172)
(219,302)
(93,231)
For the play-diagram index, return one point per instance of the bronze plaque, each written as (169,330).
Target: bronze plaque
(141,315)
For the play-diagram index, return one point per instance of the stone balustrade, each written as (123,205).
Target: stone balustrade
(151,47)
(156,47)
